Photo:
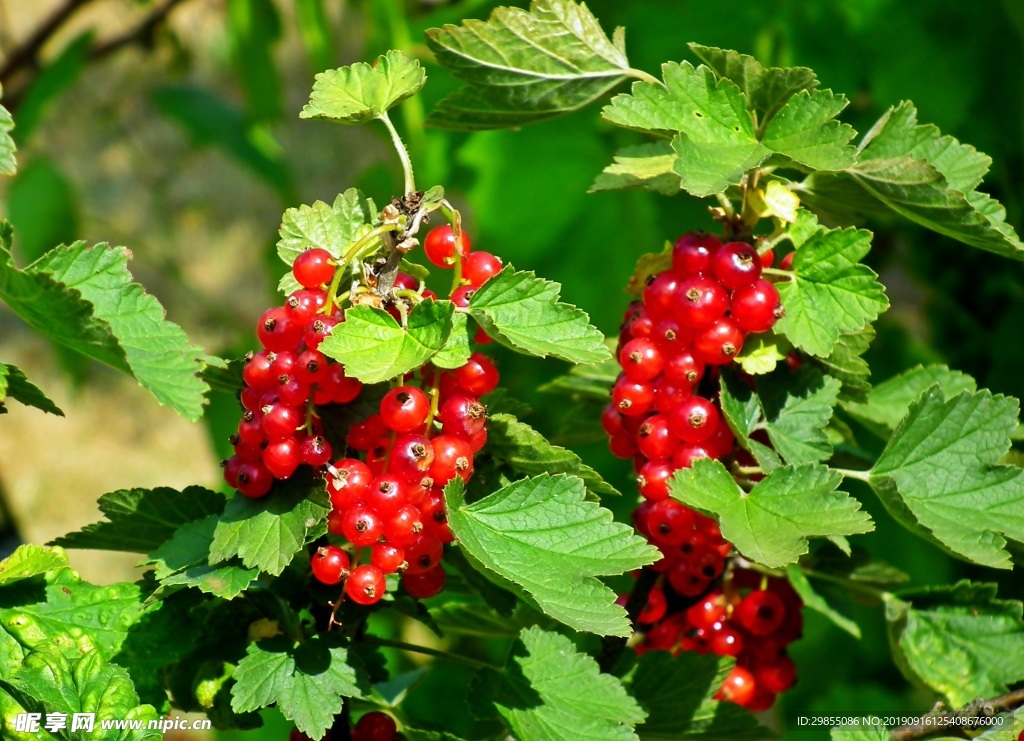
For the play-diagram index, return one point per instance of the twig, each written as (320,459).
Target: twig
(28,52)
(141,34)
(613,646)
(944,721)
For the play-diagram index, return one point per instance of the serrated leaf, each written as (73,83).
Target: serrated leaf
(526,66)
(712,133)
(592,382)
(888,402)
(980,639)
(50,682)
(374,347)
(14,384)
(797,408)
(776,200)
(31,560)
(266,533)
(939,475)
(761,353)
(846,363)
(767,89)
(140,520)
(677,693)
(543,536)
(456,351)
(650,166)
(831,292)
(549,690)
(647,266)
(928,178)
(362,92)
(526,451)
(308,682)
(157,352)
(805,133)
(327,227)
(497,599)
(8,164)
(742,411)
(182,561)
(816,602)
(771,523)
(523,312)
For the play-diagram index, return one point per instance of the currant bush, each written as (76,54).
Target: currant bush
(694,318)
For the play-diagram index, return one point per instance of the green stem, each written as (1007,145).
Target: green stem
(403,154)
(456,271)
(777,271)
(353,251)
(413,648)
(726,204)
(879,594)
(864,476)
(645,76)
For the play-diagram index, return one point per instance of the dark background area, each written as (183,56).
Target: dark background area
(184,144)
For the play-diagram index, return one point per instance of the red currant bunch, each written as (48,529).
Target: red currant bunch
(692,319)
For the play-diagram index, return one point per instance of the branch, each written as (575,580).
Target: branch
(141,34)
(612,646)
(28,53)
(942,721)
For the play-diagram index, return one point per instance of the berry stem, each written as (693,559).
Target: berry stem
(403,154)
(353,251)
(644,76)
(456,271)
(426,651)
(435,398)
(777,271)
(864,476)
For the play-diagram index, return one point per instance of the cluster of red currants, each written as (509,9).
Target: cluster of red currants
(425,432)
(374,726)
(693,318)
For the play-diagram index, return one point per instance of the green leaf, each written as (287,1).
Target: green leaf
(226,582)
(928,178)
(846,363)
(648,266)
(326,227)
(362,92)
(182,561)
(523,312)
(50,682)
(374,347)
(542,536)
(767,89)
(761,353)
(831,292)
(307,682)
(939,475)
(816,602)
(157,351)
(31,560)
(980,639)
(867,732)
(528,452)
(266,533)
(888,402)
(770,524)
(590,382)
(140,520)
(806,134)
(8,165)
(526,66)
(14,384)
(549,690)
(797,408)
(712,133)
(677,693)
(456,351)
(650,166)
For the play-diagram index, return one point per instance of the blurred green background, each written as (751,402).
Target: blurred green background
(171,127)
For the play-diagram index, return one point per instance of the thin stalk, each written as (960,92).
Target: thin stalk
(645,76)
(403,154)
(426,651)
(339,273)
(864,476)
(777,271)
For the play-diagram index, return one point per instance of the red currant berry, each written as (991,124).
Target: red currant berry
(362,526)
(313,268)
(277,331)
(691,254)
(280,421)
(694,419)
(767,259)
(684,368)
(777,676)
(254,480)
(720,343)
(440,246)
(462,295)
(653,480)
(256,372)
(387,557)
(411,457)
(282,457)
(703,301)
(710,610)
(655,440)
(387,495)
(738,687)
(404,526)
(478,267)
(787,261)
(423,554)
(623,445)
(365,585)
(349,482)
(655,608)
(291,391)
(668,521)
(282,364)
(452,457)
(641,360)
(317,330)
(632,398)
(330,564)
(726,640)
(311,367)
(478,377)
(667,395)
(685,581)
(404,409)
(760,613)
(425,585)
(305,304)
(611,421)
(736,265)
(462,415)
(756,308)
(367,434)
(661,295)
